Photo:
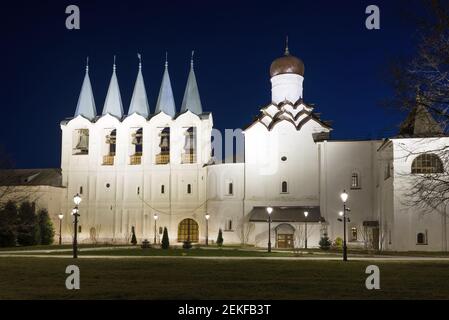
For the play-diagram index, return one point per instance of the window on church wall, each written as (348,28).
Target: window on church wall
(162,189)
(387,171)
(284,187)
(355,180)
(353,234)
(81,142)
(427,163)
(189,188)
(137,146)
(229,187)
(163,157)
(228,225)
(189,155)
(421,238)
(111,138)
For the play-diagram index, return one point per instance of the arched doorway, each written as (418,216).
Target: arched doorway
(188,231)
(285,236)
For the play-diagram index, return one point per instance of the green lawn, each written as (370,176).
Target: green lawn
(44,278)
(201,252)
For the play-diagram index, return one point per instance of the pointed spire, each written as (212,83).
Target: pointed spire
(113,103)
(287,52)
(86,102)
(165,101)
(139,101)
(191,100)
(420,122)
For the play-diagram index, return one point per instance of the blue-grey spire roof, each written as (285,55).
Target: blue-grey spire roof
(113,103)
(86,102)
(191,100)
(139,101)
(165,101)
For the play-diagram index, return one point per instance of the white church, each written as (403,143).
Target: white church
(152,167)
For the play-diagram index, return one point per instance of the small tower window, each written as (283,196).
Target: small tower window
(162,189)
(228,226)
(355,180)
(284,187)
(81,190)
(230,188)
(189,188)
(138,190)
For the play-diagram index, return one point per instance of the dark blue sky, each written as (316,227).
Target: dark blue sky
(234,42)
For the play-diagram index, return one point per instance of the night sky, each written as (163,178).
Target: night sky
(346,65)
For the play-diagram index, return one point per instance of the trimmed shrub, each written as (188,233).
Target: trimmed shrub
(165,242)
(46,229)
(338,243)
(220,238)
(325,243)
(133,236)
(27,226)
(8,225)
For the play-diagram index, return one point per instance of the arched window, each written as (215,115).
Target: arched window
(427,163)
(284,187)
(420,238)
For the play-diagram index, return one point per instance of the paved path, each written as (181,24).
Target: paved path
(357,258)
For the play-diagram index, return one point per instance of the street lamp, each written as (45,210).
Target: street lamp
(155,216)
(344,197)
(305,241)
(75,212)
(207,216)
(269,211)
(60,216)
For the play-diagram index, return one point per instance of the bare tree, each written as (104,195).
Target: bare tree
(421,86)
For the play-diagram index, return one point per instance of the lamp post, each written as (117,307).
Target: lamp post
(60,216)
(344,198)
(207,216)
(155,216)
(75,212)
(269,211)
(305,240)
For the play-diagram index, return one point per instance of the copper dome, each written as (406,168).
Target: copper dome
(287,64)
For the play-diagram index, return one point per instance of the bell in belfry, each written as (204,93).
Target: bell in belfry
(164,142)
(188,143)
(137,137)
(83,141)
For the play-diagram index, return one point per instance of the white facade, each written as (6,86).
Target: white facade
(290,164)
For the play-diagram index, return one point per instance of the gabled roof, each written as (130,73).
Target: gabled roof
(191,100)
(31,177)
(139,101)
(113,103)
(86,102)
(420,123)
(165,100)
